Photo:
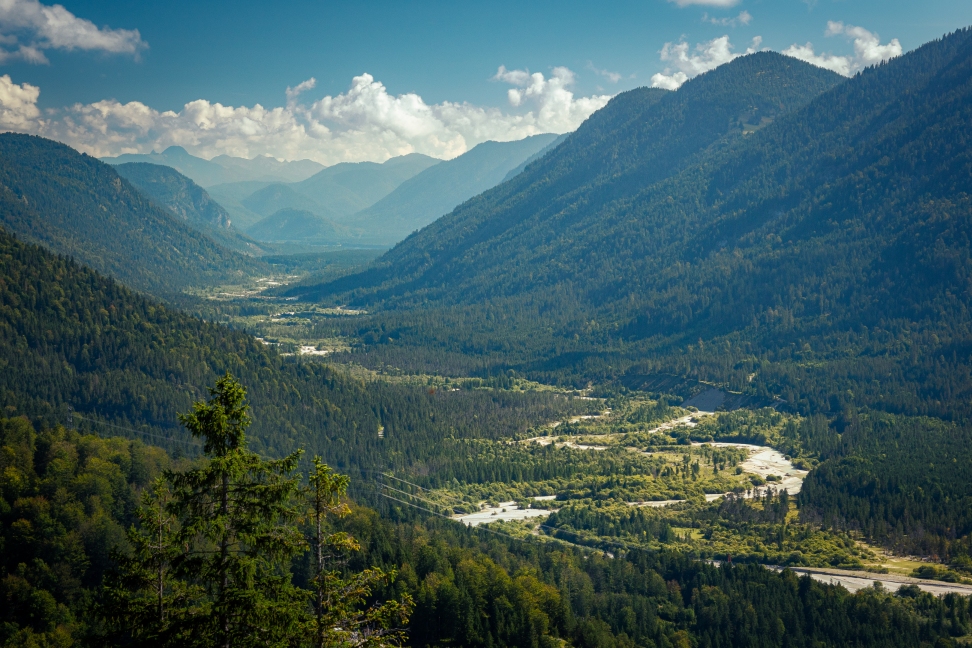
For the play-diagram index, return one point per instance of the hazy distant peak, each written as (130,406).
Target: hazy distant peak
(409,158)
(438,189)
(176,151)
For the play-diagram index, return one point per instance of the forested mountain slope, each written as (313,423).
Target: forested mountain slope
(823,257)
(179,194)
(78,206)
(437,190)
(640,138)
(71,340)
(188,201)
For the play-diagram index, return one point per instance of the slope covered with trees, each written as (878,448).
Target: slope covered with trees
(822,257)
(642,137)
(187,200)
(179,194)
(906,483)
(75,205)
(75,346)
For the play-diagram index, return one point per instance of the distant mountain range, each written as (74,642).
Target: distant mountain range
(346,188)
(297,226)
(77,206)
(437,190)
(333,193)
(380,204)
(223,168)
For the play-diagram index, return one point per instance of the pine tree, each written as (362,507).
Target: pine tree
(141,594)
(210,560)
(341,618)
(238,532)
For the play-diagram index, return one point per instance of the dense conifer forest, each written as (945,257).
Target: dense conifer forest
(190,202)
(80,207)
(82,349)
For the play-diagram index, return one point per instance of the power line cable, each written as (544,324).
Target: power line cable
(446,517)
(412,495)
(149,434)
(484,527)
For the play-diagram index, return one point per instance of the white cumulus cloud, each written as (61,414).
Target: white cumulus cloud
(364,123)
(685,63)
(18,105)
(868,50)
(27,28)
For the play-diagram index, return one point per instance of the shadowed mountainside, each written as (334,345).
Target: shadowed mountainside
(767,227)
(78,206)
(187,200)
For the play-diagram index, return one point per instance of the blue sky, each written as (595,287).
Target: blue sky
(240,54)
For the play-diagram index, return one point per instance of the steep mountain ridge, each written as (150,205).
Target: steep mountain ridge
(536,156)
(822,257)
(188,201)
(176,192)
(641,137)
(79,206)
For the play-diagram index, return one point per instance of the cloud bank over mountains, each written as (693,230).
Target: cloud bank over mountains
(364,123)
(684,63)
(868,50)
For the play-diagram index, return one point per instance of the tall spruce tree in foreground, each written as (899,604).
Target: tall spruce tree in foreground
(210,560)
(142,599)
(238,517)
